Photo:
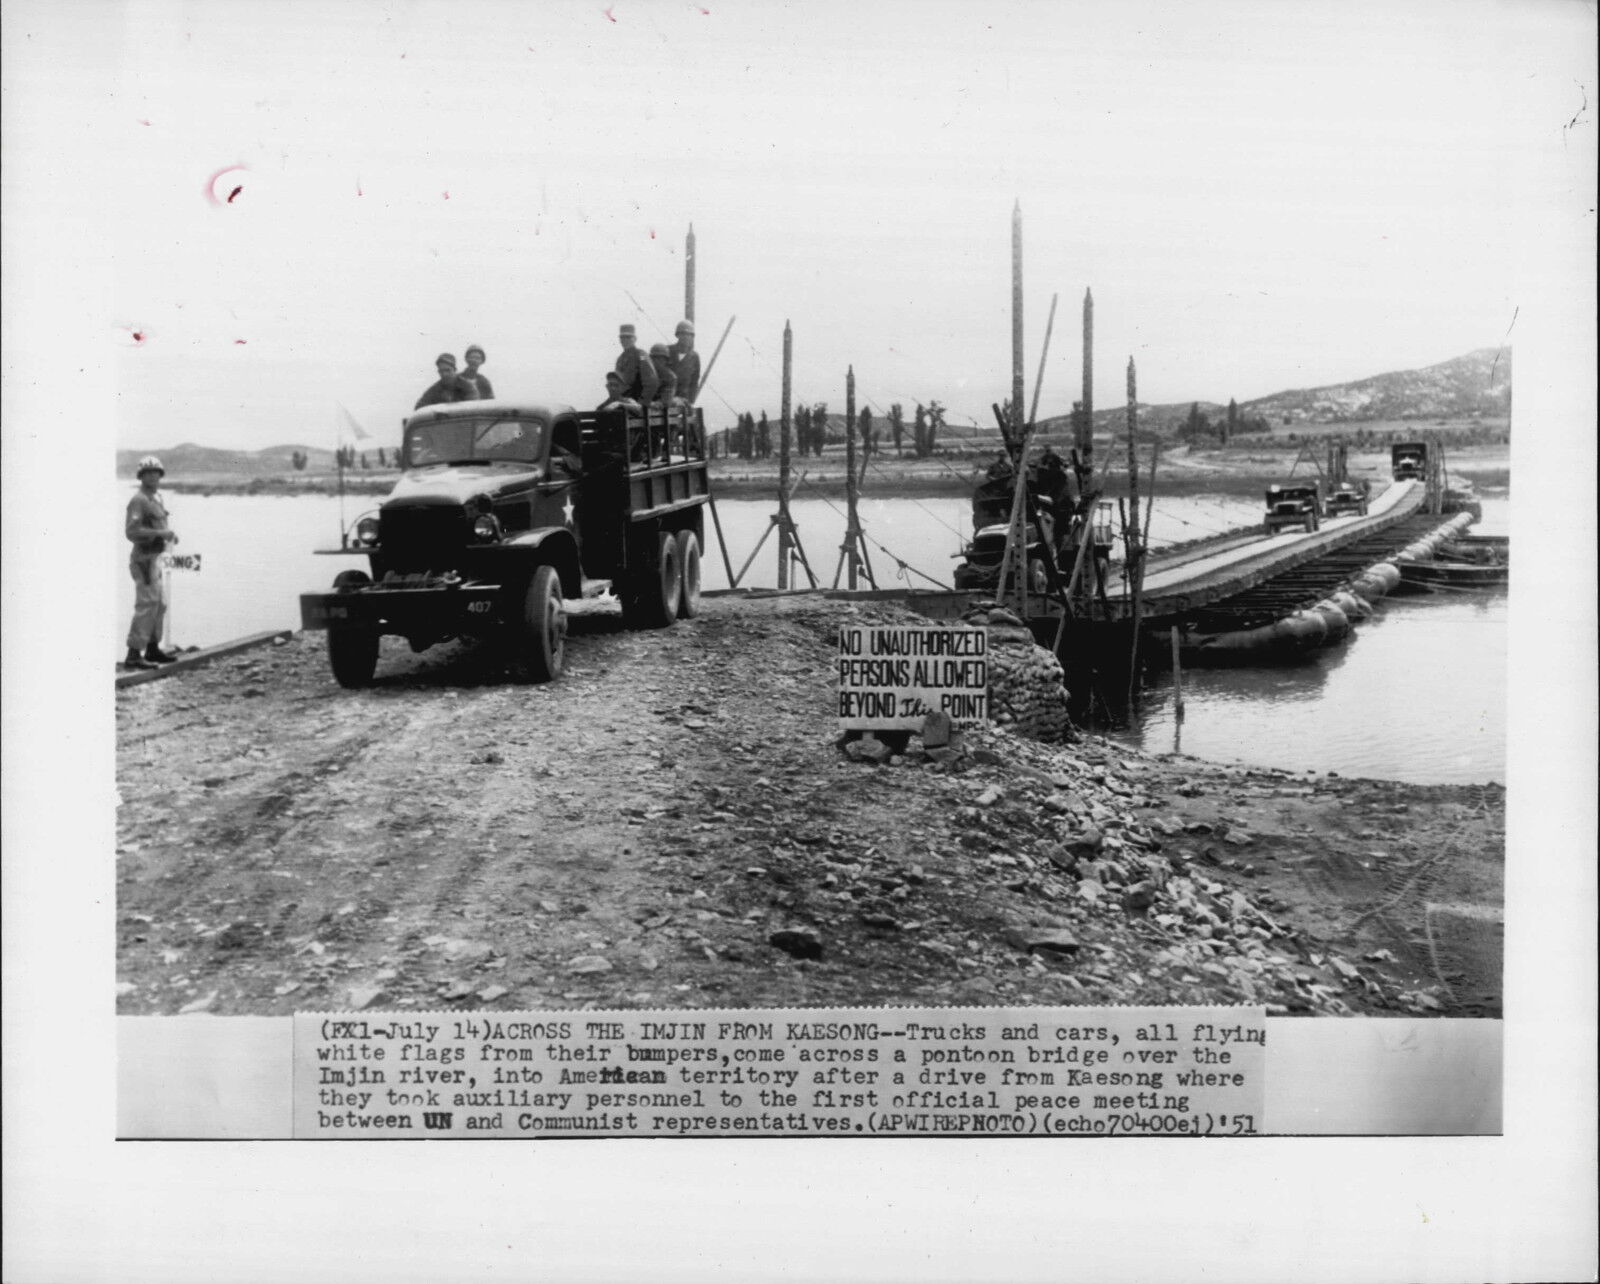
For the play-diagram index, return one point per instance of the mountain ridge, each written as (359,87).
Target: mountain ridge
(1476,384)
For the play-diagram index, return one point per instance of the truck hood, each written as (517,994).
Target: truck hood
(457,483)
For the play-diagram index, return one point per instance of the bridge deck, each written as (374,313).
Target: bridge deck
(1196,583)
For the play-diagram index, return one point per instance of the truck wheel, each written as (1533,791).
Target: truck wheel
(541,632)
(1038,578)
(688,575)
(352,651)
(653,594)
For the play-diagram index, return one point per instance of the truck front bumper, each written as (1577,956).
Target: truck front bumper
(458,608)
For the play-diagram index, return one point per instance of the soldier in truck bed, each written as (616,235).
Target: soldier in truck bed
(450,386)
(666,378)
(637,371)
(474,373)
(686,362)
(617,397)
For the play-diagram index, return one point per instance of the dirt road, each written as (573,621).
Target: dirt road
(672,824)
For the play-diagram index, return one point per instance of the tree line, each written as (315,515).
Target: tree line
(346,457)
(756,438)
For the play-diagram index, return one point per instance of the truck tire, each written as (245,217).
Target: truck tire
(688,575)
(1038,578)
(655,588)
(540,633)
(352,650)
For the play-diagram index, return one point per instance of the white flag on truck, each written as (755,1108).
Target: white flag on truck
(347,420)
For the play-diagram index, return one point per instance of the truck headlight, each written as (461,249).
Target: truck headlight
(367,530)
(486,529)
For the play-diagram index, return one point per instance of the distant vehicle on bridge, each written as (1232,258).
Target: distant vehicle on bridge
(1294,506)
(1348,497)
(1409,460)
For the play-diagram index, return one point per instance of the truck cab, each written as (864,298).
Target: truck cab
(1409,460)
(1293,506)
(503,511)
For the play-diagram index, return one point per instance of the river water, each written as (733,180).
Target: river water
(1417,695)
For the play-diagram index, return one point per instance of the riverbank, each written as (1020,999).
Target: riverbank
(1239,471)
(673,824)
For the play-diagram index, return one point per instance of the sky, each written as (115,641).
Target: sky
(300,205)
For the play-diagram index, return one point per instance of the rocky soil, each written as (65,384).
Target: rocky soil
(676,824)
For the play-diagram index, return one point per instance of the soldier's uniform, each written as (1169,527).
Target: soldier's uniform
(666,377)
(638,372)
(686,363)
(450,387)
(147,514)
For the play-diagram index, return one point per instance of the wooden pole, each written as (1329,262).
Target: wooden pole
(1135,546)
(1177,678)
(1038,383)
(853,526)
(747,561)
(722,543)
(688,275)
(1149,504)
(1014,558)
(1016,317)
(785,545)
(712,365)
(1088,364)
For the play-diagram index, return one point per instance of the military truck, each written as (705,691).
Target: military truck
(1293,506)
(1408,460)
(503,511)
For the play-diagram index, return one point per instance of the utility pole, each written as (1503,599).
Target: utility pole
(785,536)
(1133,544)
(852,553)
(1088,365)
(688,275)
(1016,320)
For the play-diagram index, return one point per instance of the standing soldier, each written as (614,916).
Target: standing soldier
(686,362)
(638,375)
(450,386)
(478,378)
(147,530)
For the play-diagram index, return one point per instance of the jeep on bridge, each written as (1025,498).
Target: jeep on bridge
(1293,506)
(505,509)
(1348,497)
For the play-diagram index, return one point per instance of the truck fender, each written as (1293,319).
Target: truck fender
(557,546)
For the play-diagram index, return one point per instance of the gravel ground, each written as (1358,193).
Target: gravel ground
(675,824)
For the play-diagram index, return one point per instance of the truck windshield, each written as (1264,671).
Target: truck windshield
(486,438)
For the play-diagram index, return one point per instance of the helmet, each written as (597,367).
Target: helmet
(658,349)
(150,464)
(685,327)
(482,355)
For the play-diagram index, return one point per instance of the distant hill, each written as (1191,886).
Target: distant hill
(1471,386)
(1475,385)
(190,460)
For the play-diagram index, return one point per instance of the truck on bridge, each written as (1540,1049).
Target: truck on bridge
(1293,506)
(1408,460)
(504,510)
